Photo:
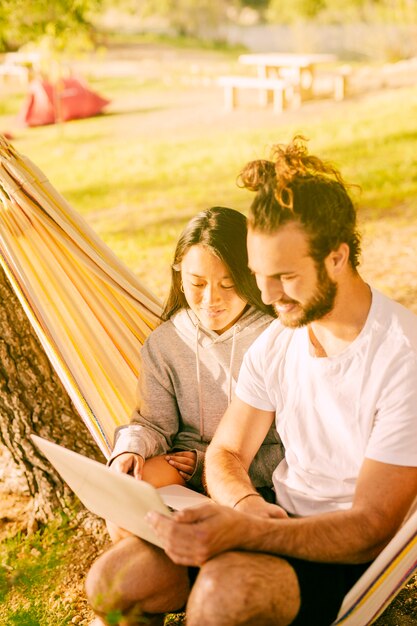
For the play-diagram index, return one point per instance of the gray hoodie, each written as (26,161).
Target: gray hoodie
(188,375)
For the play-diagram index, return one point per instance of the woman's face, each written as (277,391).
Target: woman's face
(209,289)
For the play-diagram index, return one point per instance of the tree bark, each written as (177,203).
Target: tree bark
(33,400)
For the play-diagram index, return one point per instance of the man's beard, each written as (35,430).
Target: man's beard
(321,302)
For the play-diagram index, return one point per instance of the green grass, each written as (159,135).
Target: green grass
(32,569)
(373,142)
(37,573)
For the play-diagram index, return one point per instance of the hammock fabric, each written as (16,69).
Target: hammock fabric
(383,580)
(91,314)
(89,311)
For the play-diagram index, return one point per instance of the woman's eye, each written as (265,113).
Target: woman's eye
(228,286)
(197,285)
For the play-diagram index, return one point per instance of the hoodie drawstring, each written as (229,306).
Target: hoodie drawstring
(232,356)
(200,394)
(236,329)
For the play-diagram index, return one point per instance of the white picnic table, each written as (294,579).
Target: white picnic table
(298,68)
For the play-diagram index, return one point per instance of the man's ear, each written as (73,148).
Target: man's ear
(337,260)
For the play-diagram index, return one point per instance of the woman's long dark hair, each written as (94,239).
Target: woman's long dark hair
(223,231)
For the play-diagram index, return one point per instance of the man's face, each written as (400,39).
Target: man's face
(288,277)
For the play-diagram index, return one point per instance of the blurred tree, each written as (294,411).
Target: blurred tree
(29,20)
(187,17)
(282,11)
(404,11)
(259,5)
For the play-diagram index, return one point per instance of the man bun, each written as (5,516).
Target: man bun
(288,163)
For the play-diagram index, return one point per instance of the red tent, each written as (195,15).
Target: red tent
(47,103)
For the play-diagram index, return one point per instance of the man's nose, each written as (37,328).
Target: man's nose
(271,289)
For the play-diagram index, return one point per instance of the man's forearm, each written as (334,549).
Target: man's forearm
(197,534)
(227,479)
(384,494)
(343,536)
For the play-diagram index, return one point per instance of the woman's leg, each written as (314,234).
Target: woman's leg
(159,473)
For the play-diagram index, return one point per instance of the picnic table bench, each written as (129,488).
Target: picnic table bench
(285,79)
(281,91)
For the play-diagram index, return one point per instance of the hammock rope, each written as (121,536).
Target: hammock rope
(90,312)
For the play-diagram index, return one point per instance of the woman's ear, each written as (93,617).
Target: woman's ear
(337,261)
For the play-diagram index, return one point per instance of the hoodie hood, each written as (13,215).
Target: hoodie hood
(187,323)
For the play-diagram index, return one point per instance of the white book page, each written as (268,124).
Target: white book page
(178,497)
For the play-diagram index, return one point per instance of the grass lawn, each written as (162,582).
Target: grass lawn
(165,150)
(32,577)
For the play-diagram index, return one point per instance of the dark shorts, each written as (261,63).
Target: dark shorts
(192,574)
(323,587)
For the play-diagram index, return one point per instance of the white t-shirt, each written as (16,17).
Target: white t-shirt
(332,412)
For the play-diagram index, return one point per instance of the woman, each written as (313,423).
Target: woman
(190,363)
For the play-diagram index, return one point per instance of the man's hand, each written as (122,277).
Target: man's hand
(193,536)
(256,505)
(129,463)
(184,462)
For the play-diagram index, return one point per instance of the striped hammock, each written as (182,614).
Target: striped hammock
(91,314)
(383,580)
(89,311)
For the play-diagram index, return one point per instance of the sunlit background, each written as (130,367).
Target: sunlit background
(166,147)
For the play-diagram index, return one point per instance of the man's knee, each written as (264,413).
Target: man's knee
(100,583)
(132,573)
(239,589)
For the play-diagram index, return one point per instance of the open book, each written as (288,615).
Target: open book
(117,497)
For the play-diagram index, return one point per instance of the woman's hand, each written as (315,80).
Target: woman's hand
(184,462)
(129,463)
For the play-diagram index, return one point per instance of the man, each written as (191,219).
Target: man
(338,373)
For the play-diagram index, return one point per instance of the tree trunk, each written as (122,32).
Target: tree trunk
(33,400)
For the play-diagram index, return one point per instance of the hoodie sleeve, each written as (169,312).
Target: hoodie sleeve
(155,421)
